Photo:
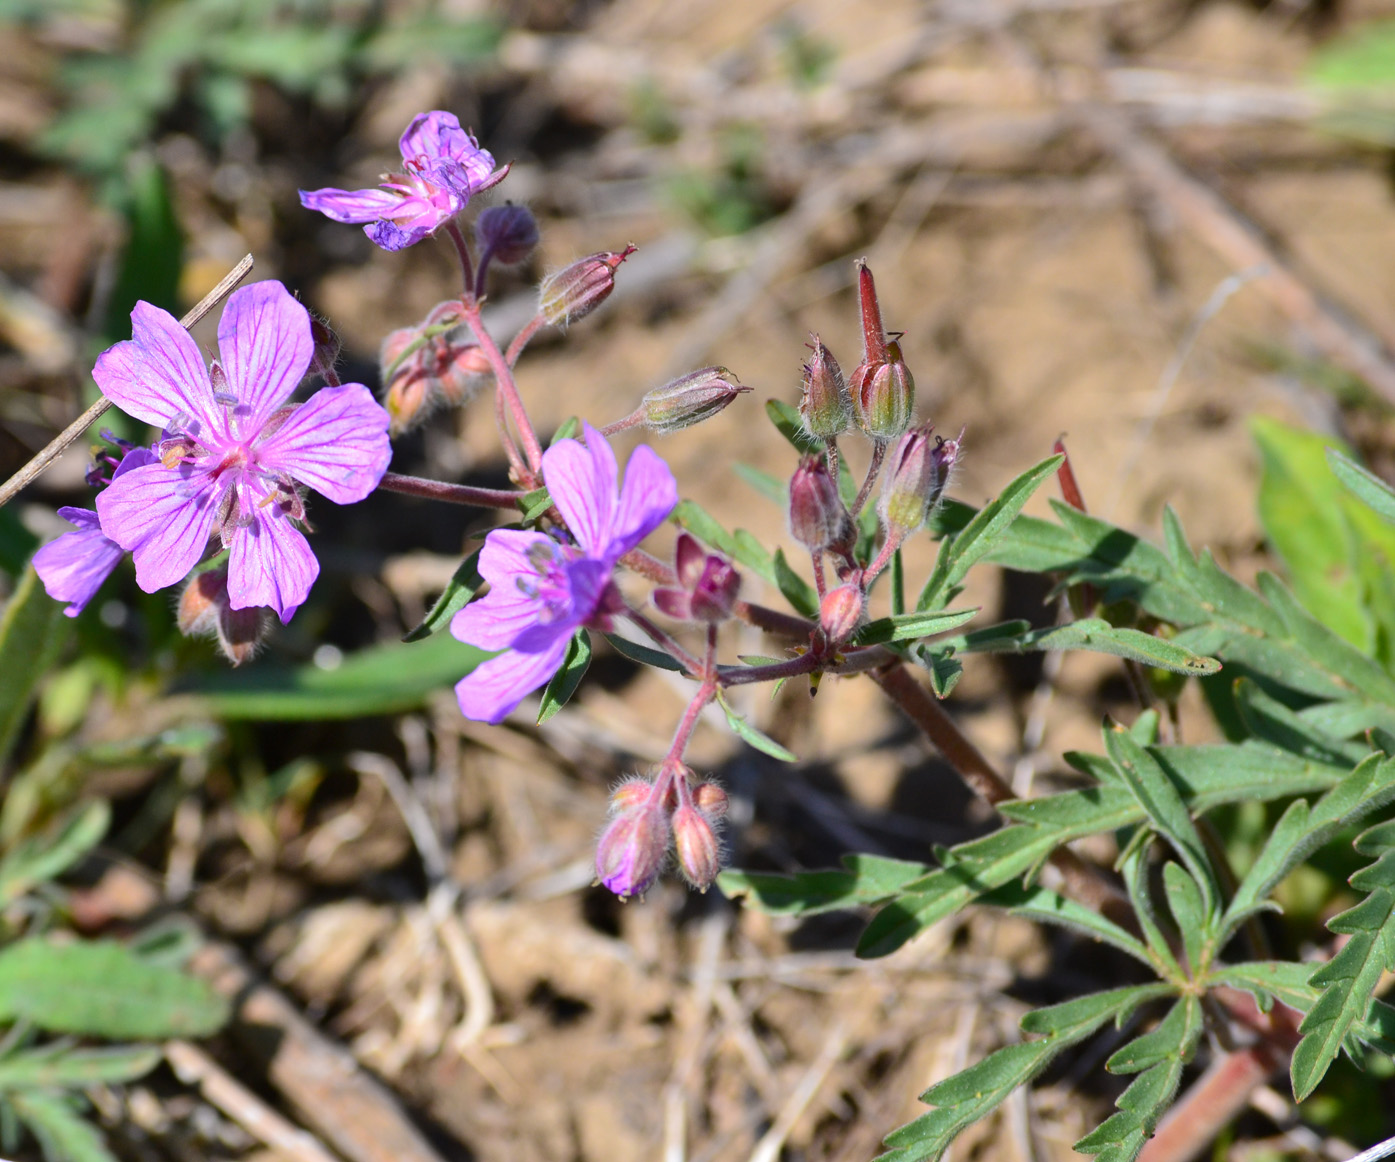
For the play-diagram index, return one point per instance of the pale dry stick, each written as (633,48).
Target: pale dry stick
(1279,1110)
(223,1091)
(769,1147)
(712,935)
(350,1110)
(55,448)
(1344,340)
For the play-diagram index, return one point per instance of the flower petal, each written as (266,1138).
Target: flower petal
(350,205)
(433,136)
(581,480)
(158,375)
(270,563)
(646,498)
(496,620)
(164,516)
(336,443)
(494,688)
(390,236)
(265,344)
(74,565)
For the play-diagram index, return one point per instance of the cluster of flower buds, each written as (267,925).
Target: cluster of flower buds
(650,818)
(577,290)
(425,368)
(818,518)
(205,610)
(707,585)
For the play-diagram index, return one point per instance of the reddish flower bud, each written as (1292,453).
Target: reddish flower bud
(632,850)
(711,800)
(699,851)
(630,794)
(914,479)
(506,233)
(689,399)
(463,369)
(824,404)
(327,346)
(709,585)
(840,612)
(884,394)
(818,518)
(204,610)
(577,290)
(438,371)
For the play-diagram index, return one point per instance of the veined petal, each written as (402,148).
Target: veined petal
(434,136)
(158,375)
(646,498)
(164,516)
(506,555)
(265,344)
(270,563)
(336,443)
(494,688)
(74,565)
(390,236)
(581,480)
(350,205)
(502,615)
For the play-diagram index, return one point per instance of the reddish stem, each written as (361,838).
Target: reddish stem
(505,386)
(878,455)
(462,252)
(521,340)
(450,493)
(665,642)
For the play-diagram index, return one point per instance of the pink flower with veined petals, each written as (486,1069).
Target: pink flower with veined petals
(442,167)
(541,590)
(235,453)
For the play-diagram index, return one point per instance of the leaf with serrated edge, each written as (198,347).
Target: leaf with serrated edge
(865,879)
(1123,1136)
(1054,908)
(908,626)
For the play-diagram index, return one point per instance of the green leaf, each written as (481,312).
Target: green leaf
(1123,1136)
(981,534)
(1163,803)
(1188,909)
(797,591)
(1133,864)
(753,737)
(45,857)
(963,1099)
(465,582)
(569,429)
(101,989)
(864,880)
(559,691)
(773,489)
(383,679)
(739,546)
(945,672)
(1350,977)
(1366,486)
(17,543)
(787,421)
(533,504)
(1053,908)
(1364,58)
(64,1134)
(1098,636)
(644,655)
(910,626)
(63,1067)
(1175,1035)
(1271,721)
(32,631)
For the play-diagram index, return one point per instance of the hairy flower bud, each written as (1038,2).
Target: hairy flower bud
(914,478)
(327,347)
(507,233)
(438,371)
(884,394)
(824,403)
(632,850)
(711,800)
(630,794)
(577,290)
(699,851)
(818,518)
(708,585)
(204,610)
(689,399)
(840,611)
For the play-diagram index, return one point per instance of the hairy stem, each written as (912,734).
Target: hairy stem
(522,339)
(878,455)
(450,493)
(506,387)
(462,252)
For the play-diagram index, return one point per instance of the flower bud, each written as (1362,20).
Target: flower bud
(824,403)
(439,371)
(840,611)
(327,347)
(204,609)
(711,800)
(884,394)
(577,290)
(506,233)
(709,585)
(913,480)
(818,518)
(632,850)
(630,794)
(699,851)
(463,370)
(689,399)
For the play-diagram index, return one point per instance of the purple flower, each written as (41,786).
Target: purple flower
(235,453)
(542,590)
(74,565)
(442,166)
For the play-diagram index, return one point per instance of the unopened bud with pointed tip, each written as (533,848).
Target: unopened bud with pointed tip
(914,478)
(818,518)
(825,405)
(840,612)
(577,290)
(689,399)
(205,609)
(507,233)
(699,850)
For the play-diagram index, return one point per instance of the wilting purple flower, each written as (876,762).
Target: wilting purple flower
(542,590)
(234,453)
(74,565)
(442,167)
